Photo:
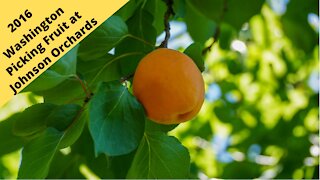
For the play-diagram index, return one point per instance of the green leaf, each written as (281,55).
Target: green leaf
(154,127)
(74,131)
(194,51)
(85,148)
(37,118)
(62,116)
(227,34)
(69,91)
(103,39)
(128,10)
(194,20)
(106,68)
(9,141)
(211,9)
(236,16)
(160,157)
(296,26)
(38,154)
(64,68)
(65,167)
(32,120)
(179,7)
(116,120)
(228,11)
(120,165)
(157,8)
(142,36)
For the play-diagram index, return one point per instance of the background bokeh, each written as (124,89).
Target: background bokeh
(261,113)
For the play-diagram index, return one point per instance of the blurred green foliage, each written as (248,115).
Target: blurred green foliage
(261,114)
(260,118)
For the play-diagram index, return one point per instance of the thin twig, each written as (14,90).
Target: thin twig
(215,39)
(218,29)
(86,100)
(84,86)
(167,16)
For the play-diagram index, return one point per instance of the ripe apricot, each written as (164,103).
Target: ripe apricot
(169,85)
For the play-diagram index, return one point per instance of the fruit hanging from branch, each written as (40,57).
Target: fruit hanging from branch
(169,85)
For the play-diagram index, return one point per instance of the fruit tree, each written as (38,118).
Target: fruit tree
(176,89)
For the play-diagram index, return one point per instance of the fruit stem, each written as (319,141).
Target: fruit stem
(167,16)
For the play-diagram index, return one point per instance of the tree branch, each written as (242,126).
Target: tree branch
(167,16)
(218,29)
(215,39)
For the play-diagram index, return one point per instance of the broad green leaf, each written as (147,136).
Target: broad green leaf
(74,131)
(106,68)
(116,120)
(157,9)
(62,116)
(40,116)
(211,9)
(120,165)
(179,7)
(236,16)
(160,157)
(128,10)
(227,34)
(9,141)
(160,10)
(65,167)
(194,20)
(69,91)
(85,148)
(32,120)
(142,38)
(38,154)
(154,127)
(114,167)
(194,51)
(228,11)
(103,39)
(64,68)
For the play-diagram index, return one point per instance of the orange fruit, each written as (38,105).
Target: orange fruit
(169,85)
